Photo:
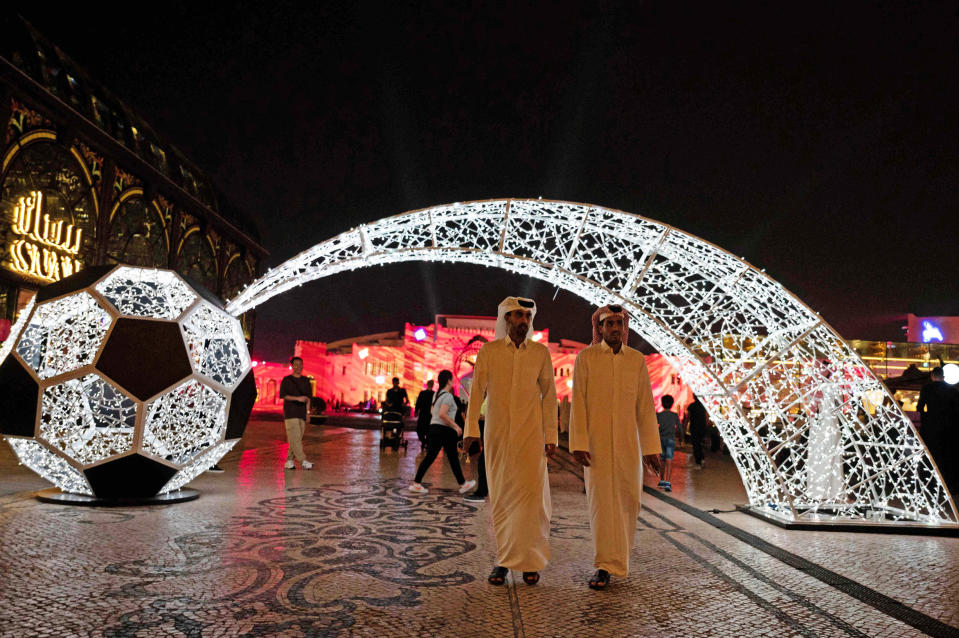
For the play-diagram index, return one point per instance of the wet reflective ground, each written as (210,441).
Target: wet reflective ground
(345,550)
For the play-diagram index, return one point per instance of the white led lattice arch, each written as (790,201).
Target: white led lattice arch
(813,432)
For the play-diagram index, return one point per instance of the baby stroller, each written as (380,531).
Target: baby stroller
(393,426)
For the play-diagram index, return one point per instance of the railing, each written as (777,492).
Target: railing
(890,359)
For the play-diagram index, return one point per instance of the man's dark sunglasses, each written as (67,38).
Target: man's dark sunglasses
(526,303)
(615,308)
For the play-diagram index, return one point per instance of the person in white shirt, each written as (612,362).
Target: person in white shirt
(612,432)
(515,374)
(443,434)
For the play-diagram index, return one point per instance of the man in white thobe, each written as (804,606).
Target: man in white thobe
(613,431)
(516,376)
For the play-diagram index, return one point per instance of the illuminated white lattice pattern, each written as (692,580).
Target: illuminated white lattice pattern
(198,466)
(63,335)
(184,421)
(50,466)
(139,292)
(215,342)
(775,378)
(87,419)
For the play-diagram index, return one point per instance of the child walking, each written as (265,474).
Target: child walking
(668,424)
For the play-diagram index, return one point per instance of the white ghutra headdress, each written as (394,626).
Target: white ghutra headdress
(508,305)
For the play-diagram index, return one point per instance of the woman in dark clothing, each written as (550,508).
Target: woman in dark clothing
(444,433)
(696,413)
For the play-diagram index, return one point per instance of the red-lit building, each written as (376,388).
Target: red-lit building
(355,370)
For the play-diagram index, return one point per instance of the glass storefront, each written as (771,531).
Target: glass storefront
(138,235)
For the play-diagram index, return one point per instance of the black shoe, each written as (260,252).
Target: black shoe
(497,576)
(216,469)
(599,580)
(475,497)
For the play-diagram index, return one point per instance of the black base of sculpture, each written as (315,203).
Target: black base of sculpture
(54,495)
(827,525)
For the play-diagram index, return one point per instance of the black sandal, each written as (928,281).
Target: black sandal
(497,576)
(599,580)
(530,578)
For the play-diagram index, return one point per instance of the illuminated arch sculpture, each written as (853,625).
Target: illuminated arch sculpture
(813,432)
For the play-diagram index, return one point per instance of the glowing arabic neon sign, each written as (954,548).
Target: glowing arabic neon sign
(45,250)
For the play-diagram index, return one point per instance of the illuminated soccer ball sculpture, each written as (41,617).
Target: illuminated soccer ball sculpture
(124,382)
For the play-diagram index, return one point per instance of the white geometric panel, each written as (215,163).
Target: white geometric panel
(216,344)
(50,466)
(411,231)
(139,292)
(198,466)
(540,237)
(184,422)
(63,335)
(470,226)
(87,419)
(788,395)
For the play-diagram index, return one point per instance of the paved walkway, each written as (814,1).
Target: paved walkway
(345,550)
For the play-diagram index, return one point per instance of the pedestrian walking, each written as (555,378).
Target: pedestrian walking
(397,399)
(938,409)
(515,374)
(613,432)
(668,425)
(296,392)
(423,407)
(696,413)
(443,435)
(482,485)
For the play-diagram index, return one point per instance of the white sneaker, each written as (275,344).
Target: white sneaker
(289,466)
(467,486)
(416,488)
(306,465)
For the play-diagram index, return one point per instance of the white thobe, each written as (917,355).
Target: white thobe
(520,420)
(614,420)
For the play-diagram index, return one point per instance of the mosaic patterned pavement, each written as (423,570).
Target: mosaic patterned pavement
(344,550)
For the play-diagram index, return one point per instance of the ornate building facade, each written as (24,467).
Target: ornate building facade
(85,181)
(356,370)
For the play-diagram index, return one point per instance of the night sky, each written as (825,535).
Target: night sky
(818,141)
